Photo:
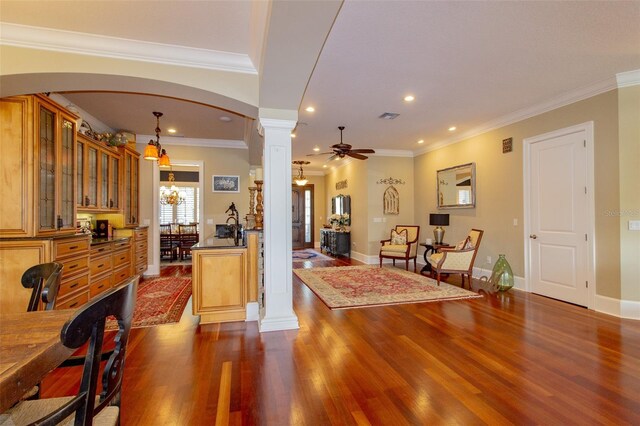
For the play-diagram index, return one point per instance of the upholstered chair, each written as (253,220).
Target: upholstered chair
(402,245)
(458,259)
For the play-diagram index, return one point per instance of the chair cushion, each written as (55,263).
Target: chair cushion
(435,258)
(29,411)
(394,248)
(399,238)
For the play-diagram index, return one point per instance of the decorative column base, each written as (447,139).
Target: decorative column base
(278,323)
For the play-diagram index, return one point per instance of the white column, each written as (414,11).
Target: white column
(277,313)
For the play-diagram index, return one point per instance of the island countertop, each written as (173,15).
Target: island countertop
(213,242)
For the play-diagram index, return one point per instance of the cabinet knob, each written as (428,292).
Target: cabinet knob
(110,203)
(87,201)
(533,236)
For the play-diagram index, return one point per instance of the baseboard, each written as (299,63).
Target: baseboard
(278,324)
(152,271)
(252,310)
(620,308)
(316,245)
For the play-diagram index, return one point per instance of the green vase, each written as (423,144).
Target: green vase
(502,275)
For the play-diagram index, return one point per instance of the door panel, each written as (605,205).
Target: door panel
(297,217)
(558,220)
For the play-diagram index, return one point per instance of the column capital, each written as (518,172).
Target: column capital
(285,119)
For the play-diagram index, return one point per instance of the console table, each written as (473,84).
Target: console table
(430,248)
(335,243)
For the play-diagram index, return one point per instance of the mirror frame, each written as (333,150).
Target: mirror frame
(342,201)
(440,179)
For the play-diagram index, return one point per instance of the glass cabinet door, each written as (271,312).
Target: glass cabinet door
(134,191)
(104,180)
(114,194)
(80,173)
(67,161)
(47,170)
(92,166)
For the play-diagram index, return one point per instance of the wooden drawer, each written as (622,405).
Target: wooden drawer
(140,268)
(101,249)
(73,285)
(122,257)
(64,248)
(141,246)
(75,265)
(74,301)
(103,284)
(121,244)
(140,234)
(100,265)
(120,275)
(141,258)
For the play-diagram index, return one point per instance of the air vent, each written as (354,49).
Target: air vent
(389,115)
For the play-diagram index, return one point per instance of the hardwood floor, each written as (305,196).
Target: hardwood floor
(507,358)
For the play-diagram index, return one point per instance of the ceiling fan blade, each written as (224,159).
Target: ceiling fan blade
(320,153)
(356,155)
(364,151)
(333,157)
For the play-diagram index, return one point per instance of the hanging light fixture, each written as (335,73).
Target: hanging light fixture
(154,151)
(301,179)
(171,195)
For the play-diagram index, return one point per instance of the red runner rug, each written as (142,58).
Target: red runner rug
(360,286)
(159,301)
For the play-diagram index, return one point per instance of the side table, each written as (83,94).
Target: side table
(430,248)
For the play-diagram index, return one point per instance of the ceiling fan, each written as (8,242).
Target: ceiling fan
(340,150)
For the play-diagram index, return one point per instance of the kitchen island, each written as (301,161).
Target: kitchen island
(225,279)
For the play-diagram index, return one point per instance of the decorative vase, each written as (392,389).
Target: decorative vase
(502,275)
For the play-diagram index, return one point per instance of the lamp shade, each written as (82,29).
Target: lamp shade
(151,152)
(439,219)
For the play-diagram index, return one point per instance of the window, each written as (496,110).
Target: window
(186,212)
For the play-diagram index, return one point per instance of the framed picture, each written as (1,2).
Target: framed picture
(226,183)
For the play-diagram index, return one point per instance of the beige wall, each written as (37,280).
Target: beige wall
(218,161)
(629,129)
(500,193)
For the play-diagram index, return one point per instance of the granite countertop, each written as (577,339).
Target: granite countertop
(213,242)
(98,241)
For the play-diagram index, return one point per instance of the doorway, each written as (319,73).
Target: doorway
(559,214)
(302,216)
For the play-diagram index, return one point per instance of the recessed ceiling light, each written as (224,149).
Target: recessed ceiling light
(316,149)
(409,98)
(324,166)
(421,141)
(225,118)
(293,135)
(171,130)
(310,109)
(452,128)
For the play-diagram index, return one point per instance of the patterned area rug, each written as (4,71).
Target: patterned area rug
(160,301)
(308,254)
(368,285)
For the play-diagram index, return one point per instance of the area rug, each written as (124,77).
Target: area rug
(308,254)
(159,301)
(369,285)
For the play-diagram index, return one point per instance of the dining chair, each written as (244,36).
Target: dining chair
(188,237)
(402,245)
(87,324)
(44,280)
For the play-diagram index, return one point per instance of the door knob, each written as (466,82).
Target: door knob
(533,236)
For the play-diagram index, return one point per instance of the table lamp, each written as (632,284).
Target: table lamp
(438,220)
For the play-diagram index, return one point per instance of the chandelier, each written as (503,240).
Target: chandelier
(301,179)
(171,195)
(154,150)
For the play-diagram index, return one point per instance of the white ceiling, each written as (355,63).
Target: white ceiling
(467,63)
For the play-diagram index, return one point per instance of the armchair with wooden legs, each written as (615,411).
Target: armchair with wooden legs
(405,248)
(459,259)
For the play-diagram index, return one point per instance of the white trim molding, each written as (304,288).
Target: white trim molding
(121,48)
(620,308)
(628,79)
(392,153)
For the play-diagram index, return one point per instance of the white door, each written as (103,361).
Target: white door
(558,219)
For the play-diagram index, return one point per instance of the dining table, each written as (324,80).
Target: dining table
(30,347)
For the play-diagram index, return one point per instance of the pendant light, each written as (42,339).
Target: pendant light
(301,179)
(154,151)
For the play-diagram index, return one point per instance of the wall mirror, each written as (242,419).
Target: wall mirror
(341,204)
(457,187)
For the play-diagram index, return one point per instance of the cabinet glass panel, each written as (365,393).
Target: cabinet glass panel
(67,161)
(104,180)
(134,191)
(114,201)
(93,176)
(47,159)
(127,188)
(80,173)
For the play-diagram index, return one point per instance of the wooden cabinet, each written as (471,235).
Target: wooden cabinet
(131,185)
(110,265)
(38,163)
(140,249)
(220,284)
(99,173)
(335,243)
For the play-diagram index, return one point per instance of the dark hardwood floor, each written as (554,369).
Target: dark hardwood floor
(507,358)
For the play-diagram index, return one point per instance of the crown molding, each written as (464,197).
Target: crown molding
(558,102)
(628,79)
(209,143)
(392,153)
(122,48)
